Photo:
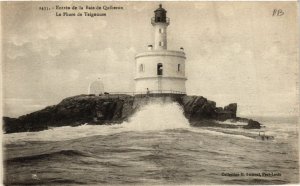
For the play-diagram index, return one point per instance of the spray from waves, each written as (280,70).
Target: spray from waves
(156,115)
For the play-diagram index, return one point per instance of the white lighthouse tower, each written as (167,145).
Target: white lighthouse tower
(160,70)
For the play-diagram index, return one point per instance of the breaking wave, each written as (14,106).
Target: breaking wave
(158,116)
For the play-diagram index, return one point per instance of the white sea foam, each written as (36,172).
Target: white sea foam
(229,122)
(214,132)
(62,133)
(158,116)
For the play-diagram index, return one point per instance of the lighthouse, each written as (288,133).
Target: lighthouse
(160,70)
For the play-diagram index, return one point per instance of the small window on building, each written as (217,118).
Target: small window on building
(159,69)
(161,43)
(142,68)
(178,68)
(161,30)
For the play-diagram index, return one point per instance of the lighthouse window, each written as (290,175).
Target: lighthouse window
(161,43)
(159,69)
(178,68)
(161,30)
(142,68)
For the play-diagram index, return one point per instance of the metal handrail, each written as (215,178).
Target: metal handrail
(150,92)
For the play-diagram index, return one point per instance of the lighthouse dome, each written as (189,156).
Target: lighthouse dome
(160,15)
(96,87)
(160,9)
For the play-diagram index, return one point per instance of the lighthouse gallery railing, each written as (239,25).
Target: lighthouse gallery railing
(144,93)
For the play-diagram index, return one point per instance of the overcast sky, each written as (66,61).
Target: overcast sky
(236,52)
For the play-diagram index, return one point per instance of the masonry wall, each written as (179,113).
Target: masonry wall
(173,77)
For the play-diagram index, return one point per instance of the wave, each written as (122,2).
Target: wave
(45,156)
(255,181)
(56,181)
(158,116)
(62,133)
(220,132)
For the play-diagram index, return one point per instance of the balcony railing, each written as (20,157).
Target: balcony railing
(154,22)
(150,93)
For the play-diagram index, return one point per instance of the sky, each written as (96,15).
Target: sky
(236,52)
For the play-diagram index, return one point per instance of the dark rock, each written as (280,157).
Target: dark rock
(232,107)
(239,119)
(111,109)
(73,111)
(253,125)
(199,108)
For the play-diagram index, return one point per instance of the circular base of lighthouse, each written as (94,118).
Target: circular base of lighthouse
(168,85)
(160,71)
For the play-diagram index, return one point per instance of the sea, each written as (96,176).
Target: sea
(157,146)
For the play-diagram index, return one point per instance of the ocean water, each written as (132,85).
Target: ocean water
(156,147)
